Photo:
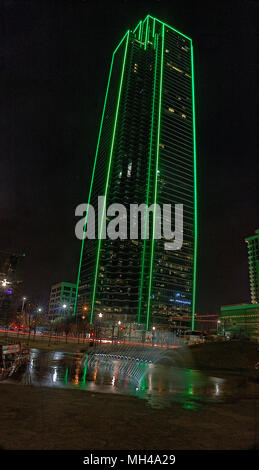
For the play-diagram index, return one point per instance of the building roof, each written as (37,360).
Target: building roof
(238,306)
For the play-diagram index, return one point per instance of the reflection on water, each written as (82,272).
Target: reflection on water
(159,384)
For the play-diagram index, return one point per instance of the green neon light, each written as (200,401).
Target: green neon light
(91,185)
(140,30)
(154,25)
(143,30)
(120,43)
(148,188)
(195,200)
(107,182)
(138,26)
(147,32)
(156,170)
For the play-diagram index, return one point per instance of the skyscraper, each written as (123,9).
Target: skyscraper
(253,259)
(145,154)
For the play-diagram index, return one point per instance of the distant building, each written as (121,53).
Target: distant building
(241,320)
(253,259)
(11,277)
(62,298)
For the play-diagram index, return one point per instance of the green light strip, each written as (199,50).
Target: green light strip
(195,199)
(147,198)
(144,30)
(147,32)
(138,26)
(120,43)
(140,30)
(156,169)
(91,185)
(107,180)
(154,26)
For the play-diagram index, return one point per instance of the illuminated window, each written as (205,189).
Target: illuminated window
(129,169)
(178,70)
(169,64)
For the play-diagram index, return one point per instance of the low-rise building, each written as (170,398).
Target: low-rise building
(240,320)
(62,298)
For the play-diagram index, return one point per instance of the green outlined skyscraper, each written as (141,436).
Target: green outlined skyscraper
(145,154)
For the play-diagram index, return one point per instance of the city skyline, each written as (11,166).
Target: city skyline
(54,161)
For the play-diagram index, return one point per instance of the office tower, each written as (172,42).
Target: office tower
(145,154)
(253,260)
(11,280)
(62,298)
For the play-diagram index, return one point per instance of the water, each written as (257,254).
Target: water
(159,384)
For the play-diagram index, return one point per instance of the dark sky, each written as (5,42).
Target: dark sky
(54,64)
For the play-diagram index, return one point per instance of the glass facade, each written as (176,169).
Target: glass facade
(145,154)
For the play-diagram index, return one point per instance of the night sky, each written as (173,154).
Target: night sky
(54,66)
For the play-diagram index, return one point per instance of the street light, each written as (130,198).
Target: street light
(64,306)
(153,328)
(23,300)
(119,322)
(100,315)
(39,310)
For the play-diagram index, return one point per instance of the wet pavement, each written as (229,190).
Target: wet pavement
(159,384)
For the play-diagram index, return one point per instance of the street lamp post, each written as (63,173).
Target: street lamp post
(98,329)
(118,335)
(23,300)
(153,335)
(22,312)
